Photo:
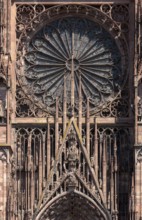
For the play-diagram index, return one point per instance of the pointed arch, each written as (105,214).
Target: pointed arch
(77,198)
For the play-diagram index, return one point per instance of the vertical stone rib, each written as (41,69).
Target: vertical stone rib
(48,156)
(29,170)
(104,169)
(2,181)
(88,135)
(64,106)
(137,190)
(26,181)
(43,160)
(80,114)
(100,160)
(115,175)
(40,167)
(140,188)
(32,188)
(96,147)
(80,106)
(88,129)
(72,74)
(112,186)
(56,126)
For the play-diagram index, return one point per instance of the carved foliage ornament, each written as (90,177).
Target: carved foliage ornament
(139,156)
(71,48)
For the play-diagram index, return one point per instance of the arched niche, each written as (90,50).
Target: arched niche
(3,103)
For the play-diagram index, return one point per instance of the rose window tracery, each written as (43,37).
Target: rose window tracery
(72,50)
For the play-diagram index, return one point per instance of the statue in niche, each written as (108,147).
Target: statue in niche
(139,101)
(2,113)
(13,167)
(139,156)
(72,155)
(72,162)
(3,90)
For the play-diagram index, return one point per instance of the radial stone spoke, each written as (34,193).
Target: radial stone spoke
(44,56)
(96,72)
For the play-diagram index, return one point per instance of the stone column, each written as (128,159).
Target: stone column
(4,180)
(138,181)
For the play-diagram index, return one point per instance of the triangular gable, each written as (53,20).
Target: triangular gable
(87,176)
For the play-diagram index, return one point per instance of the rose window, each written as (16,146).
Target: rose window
(72,57)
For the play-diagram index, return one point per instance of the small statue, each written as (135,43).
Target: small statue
(71,181)
(1,109)
(13,167)
(72,157)
(139,108)
(139,156)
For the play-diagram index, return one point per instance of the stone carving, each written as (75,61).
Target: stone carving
(13,167)
(115,215)
(2,112)
(139,100)
(72,153)
(3,155)
(71,182)
(28,215)
(120,13)
(139,156)
(1,109)
(72,160)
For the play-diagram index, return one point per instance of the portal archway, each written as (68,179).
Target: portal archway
(72,205)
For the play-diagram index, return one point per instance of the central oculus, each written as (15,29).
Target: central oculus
(72,64)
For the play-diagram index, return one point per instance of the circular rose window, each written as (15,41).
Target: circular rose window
(72,57)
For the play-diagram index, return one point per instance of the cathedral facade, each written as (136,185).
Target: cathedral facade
(70,110)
